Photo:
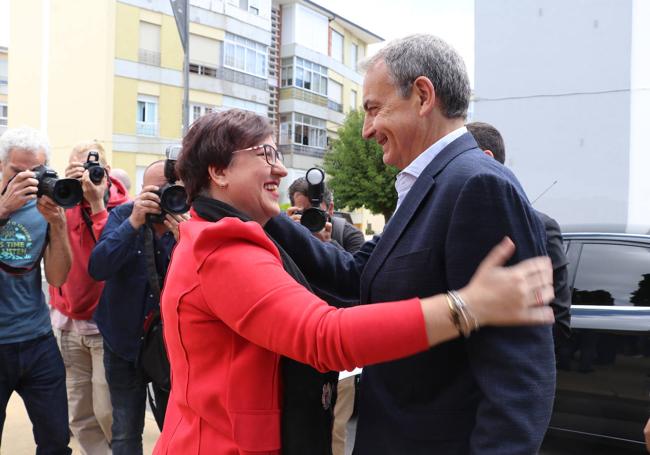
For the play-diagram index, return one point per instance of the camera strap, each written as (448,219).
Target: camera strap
(150,262)
(89,223)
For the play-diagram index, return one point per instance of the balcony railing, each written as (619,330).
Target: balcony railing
(303,95)
(146,129)
(149,57)
(333,105)
(230,75)
(288,149)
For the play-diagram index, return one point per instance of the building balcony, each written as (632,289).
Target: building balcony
(229,75)
(146,129)
(290,149)
(303,95)
(4,87)
(149,57)
(333,105)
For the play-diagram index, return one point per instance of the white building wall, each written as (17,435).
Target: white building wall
(554,78)
(639,188)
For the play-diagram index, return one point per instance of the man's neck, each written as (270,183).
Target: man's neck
(440,127)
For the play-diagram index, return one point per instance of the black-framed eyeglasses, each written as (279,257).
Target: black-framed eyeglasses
(271,154)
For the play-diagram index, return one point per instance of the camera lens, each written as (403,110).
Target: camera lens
(96,174)
(173,199)
(313,219)
(67,192)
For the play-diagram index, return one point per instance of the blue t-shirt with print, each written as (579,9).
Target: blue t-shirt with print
(23,312)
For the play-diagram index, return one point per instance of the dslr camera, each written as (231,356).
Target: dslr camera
(173,197)
(314,218)
(65,192)
(95,170)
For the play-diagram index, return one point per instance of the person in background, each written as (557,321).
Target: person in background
(236,306)
(122,176)
(30,361)
(120,258)
(337,229)
(346,236)
(491,142)
(73,305)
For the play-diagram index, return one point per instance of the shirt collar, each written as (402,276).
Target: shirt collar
(407,177)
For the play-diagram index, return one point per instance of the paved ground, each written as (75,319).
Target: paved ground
(17,436)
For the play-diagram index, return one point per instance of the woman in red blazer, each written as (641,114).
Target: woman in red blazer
(234,303)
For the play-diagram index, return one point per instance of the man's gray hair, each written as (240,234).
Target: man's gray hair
(24,138)
(427,55)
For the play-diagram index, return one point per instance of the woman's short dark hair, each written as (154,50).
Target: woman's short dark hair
(211,141)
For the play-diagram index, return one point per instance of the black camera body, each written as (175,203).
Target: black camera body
(314,218)
(96,171)
(64,192)
(173,197)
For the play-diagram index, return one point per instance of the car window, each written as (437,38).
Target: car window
(612,275)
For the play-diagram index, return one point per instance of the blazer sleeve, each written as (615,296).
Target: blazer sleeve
(244,284)
(562,303)
(327,267)
(514,367)
(117,245)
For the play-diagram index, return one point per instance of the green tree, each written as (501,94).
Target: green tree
(358,175)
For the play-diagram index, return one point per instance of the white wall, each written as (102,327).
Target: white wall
(554,78)
(639,188)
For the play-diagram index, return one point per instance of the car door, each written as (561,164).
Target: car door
(603,369)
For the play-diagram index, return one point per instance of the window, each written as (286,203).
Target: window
(4,71)
(252,6)
(302,73)
(4,114)
(612,275)
(205,52)
(147,116)
(303,130)
(245,55)
(354,55)
(149,51)
(353,100)
(337,46)
(230,102)
(199,110)
(335,95)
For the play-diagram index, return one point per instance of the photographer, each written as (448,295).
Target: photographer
(345,236)
(73,303)
(30,362)
(336,229)
(120,258)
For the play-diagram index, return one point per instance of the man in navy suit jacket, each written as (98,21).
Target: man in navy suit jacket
(490,393)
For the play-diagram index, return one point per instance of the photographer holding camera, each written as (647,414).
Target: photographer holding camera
(313,206)
(138,237)
(30,362)
(73,303)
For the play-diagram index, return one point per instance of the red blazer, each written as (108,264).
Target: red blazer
(230,311)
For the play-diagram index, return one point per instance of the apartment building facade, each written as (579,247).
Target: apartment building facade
(4,88)
(114,73)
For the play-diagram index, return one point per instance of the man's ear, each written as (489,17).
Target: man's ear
(489,153)
(426,94)
(330,209)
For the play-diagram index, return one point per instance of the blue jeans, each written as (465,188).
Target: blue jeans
(35,370)
(128,396)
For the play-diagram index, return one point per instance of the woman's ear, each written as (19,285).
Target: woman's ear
(218,177)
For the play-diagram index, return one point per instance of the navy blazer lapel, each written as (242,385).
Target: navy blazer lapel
(395,227)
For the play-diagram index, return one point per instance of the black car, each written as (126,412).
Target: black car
(603,381)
